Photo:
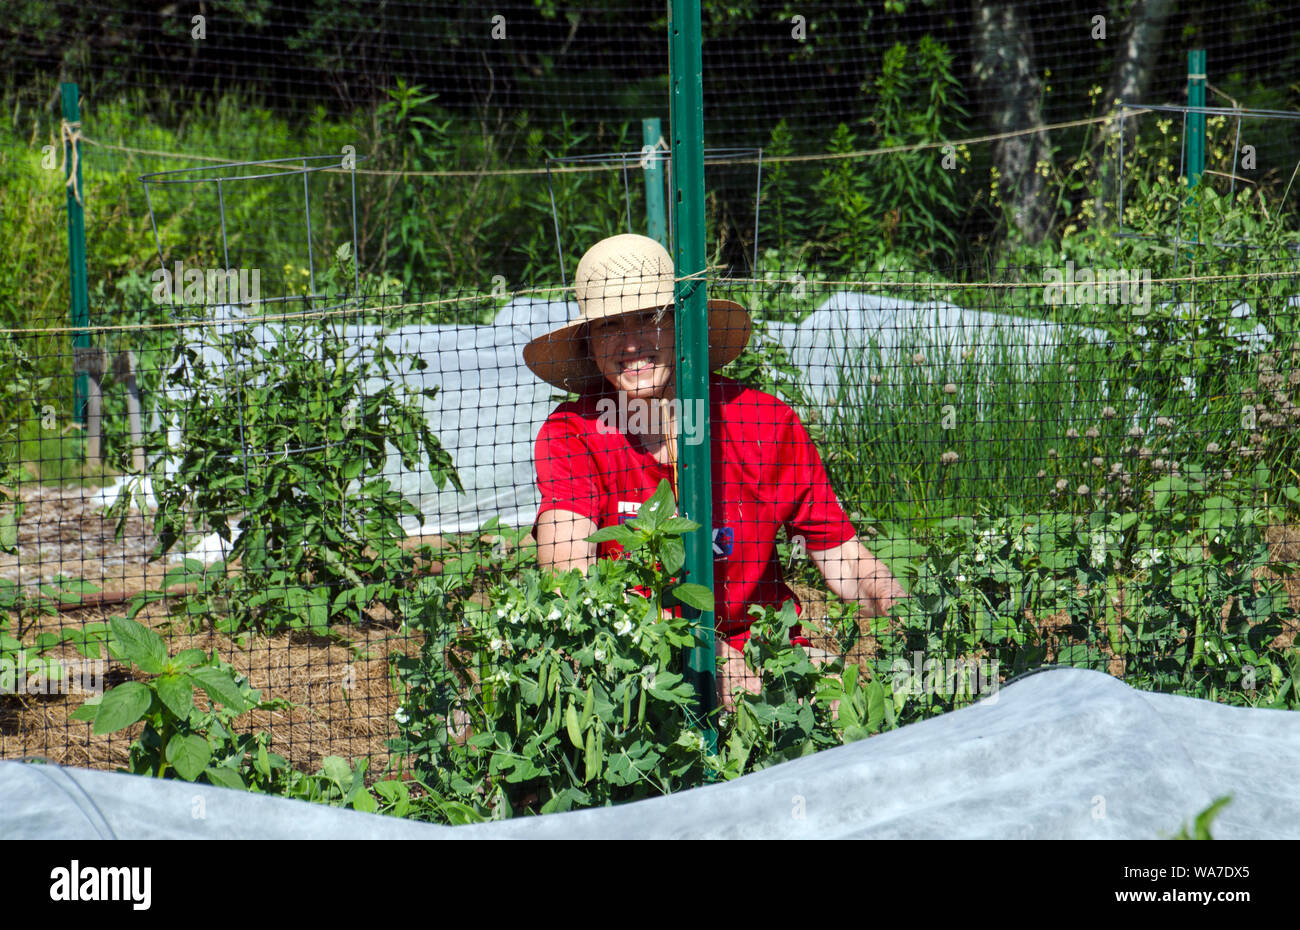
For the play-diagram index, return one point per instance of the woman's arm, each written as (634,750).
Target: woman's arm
(562,540)
(855,574)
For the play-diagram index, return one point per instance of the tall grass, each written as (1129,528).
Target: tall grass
(1019,423)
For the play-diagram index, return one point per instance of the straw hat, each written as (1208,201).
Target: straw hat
(618,275)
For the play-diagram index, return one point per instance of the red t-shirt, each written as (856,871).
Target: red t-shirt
(766,474)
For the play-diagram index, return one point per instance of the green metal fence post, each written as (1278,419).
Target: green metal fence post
(1195,121)
(80,313)
(695,493)
(656,220)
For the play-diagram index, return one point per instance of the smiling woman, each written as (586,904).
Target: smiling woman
(596,470)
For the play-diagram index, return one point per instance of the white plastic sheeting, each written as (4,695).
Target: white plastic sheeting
(1063,753)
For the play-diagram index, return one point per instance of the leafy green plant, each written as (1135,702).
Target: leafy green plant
(1204,820)
(179,737)
(293,437)
(791,713)
(32,656)
(567,691)
(1179,594)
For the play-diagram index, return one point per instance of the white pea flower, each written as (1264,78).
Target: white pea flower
(1147,559)
(401,717)
(623,627)
(600,655)
(554,614)
(648,675)
(501,614)
(586,602)
(979,557)
(961,579)
(496,644)
(516,617)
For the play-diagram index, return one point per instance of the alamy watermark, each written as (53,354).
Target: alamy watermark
(76,882)
(21,673)
(950,677)
(1102,286)
(639,416)
(190,286)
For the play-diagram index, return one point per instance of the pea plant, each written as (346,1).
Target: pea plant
(1179,594)
(567,690)
(293,438)
(790,715)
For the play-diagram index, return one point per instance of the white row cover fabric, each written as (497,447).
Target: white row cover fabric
(1063,753)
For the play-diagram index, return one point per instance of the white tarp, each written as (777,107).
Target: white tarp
(1063,753)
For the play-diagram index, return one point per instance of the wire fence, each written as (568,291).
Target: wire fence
(1094,470)
(335,422)
(605,65)
(933,97)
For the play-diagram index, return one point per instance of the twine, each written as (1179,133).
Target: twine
(70,133)
(579,169)
(722,283)
(670,442)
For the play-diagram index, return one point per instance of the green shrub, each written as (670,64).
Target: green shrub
(293,438)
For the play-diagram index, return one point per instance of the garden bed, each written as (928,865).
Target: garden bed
(311,672)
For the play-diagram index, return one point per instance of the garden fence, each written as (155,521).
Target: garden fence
(1074,466)
(1087,463)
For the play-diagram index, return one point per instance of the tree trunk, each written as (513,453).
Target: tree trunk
(1006,76)
(1129,82)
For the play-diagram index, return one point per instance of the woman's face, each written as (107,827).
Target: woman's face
(634,353)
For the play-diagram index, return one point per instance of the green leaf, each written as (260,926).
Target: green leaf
(219,685)
(177,695)
(658,508)
(875,706)
(140,645)
(124,705)
(854,732)
(86,712)
(337,769)
(619,534)
(224,778)
(676,526)
(189,658)
(8,531)
(673,555)
(188,755)
(693,595)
